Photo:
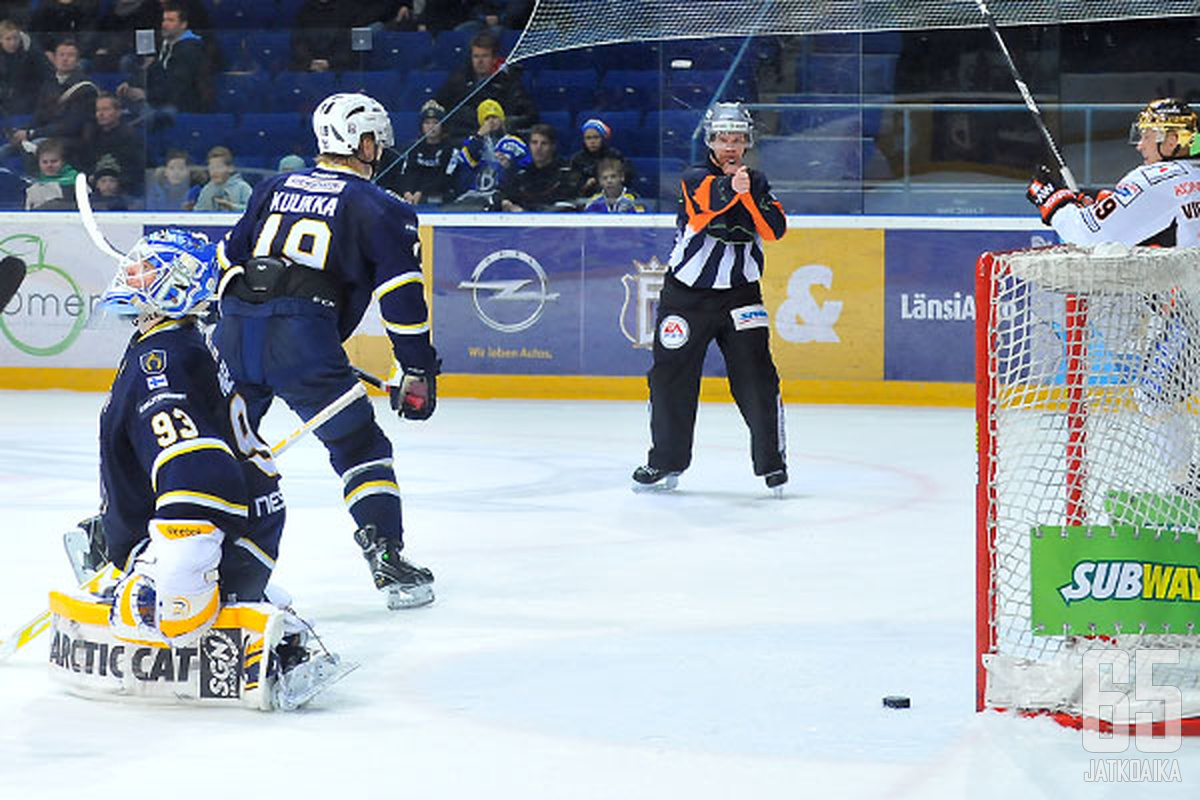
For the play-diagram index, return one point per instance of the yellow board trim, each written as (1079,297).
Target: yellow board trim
(568,387)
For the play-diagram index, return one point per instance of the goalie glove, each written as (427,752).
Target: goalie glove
(1046,195)
(413,391)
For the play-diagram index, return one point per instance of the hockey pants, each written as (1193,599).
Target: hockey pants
(291,348)
(736,320)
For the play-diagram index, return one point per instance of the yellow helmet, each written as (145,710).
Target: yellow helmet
(1166,115)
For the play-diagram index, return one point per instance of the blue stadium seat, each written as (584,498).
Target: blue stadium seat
(241,92)
(676,131)
(274,135)
(406,126)
(451,50)
(402,51)
(625,89)
(385,86)
(301,91)
(645,170)
(830,74)
(12,188)
(197,133)
(108,81)
(420,86)
(879,73)
(251,13)
(268,50)
(561,122)
(231,44)
(565,89)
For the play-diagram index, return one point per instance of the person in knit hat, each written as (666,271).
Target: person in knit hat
(476,166)
(596,137)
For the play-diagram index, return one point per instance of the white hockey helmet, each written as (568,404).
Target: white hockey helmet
(728,118)
(341,120)
(171,272)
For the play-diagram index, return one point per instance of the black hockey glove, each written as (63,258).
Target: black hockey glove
(415,397)
(1046,195)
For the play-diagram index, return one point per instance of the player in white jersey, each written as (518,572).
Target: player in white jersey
(1157,203)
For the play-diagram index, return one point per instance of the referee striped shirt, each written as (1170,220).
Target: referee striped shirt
(720,232)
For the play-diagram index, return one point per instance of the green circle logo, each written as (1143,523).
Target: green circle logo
(21,245)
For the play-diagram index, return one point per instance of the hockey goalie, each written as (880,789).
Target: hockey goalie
(174,604)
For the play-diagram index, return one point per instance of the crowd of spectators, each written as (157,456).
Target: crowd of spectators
(478,148)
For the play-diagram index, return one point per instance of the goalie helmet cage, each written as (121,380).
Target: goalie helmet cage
(1087,370)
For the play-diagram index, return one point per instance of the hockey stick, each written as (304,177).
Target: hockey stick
(32,629)
(1030,103)
(89,219)
(12,273)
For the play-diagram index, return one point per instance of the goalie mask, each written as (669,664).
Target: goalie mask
(341,120)
(1165,116)
(170,272)
(728,118)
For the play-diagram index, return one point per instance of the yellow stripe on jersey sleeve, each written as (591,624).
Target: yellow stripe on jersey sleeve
(414,328)
(201,499)
(397,282)
(183,448)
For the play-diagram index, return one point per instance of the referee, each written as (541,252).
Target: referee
(726,210)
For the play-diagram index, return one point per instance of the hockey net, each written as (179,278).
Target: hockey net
(1087,371)
(565,24)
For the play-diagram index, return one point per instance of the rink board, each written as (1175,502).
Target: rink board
(863,309)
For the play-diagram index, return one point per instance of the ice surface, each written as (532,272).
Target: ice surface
(587,641)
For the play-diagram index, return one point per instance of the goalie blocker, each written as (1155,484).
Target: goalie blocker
(235,663)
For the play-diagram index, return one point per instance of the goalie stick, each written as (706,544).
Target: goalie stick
(1030,103)
(32,629)
(89,219)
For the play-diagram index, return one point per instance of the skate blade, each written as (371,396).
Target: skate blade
(665,485)
(76,543)
(309,679)
(408,597)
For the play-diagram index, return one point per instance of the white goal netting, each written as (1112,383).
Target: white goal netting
(565,24)
(1088,366)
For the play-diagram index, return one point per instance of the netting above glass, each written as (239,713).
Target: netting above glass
(566,24)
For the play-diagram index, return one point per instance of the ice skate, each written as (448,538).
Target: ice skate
(406,584)
(87,549)
(647,478)
(303,672)
(775,481)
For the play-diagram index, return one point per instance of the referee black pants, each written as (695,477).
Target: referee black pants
(688,320)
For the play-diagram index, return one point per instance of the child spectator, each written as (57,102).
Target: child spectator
(290,163)
(170,188)
(107,184)
(226,190)
(613,197)
(477,167)
(52,188)
(596,135)
(421,177)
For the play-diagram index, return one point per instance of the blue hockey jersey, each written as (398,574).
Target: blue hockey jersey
(328,218)
(175,444)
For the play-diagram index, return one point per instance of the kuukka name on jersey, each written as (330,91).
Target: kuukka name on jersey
(291,203)
(1132,580)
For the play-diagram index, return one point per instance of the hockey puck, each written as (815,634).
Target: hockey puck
(896,701)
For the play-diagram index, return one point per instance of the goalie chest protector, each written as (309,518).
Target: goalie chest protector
(228,666)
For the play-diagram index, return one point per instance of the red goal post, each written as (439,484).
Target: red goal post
(1087,375)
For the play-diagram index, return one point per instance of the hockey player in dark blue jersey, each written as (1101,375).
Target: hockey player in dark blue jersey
(187,486)
(191,512)
(300,267)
